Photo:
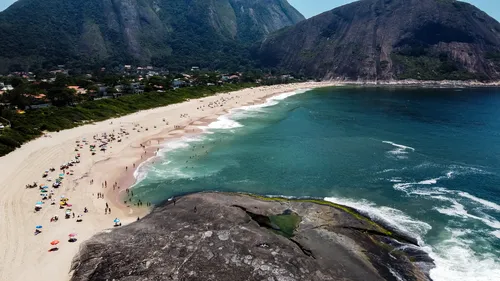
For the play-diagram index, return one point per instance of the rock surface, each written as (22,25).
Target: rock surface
(221,236)
(390,39)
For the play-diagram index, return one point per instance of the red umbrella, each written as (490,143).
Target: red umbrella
(72,235)
(55,242)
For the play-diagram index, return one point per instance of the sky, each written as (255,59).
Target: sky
(311,8)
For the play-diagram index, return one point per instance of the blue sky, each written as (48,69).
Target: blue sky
(313,7)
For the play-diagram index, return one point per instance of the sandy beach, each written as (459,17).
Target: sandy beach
(26,256)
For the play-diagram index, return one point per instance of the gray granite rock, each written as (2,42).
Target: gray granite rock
(241,237)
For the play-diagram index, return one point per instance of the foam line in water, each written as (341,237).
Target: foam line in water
(227,121)
(387,215)
(404,147)
(455,260)
(224,122)
(483,202)
(453,257)
(458,210)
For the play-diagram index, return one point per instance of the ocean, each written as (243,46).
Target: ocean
(426,161)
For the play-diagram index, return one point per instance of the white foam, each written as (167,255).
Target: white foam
(455,260)
(388,216)
(431,181)
(401,151)
(403,147)
(458,210)
(223,122)
(496,233)
(483,202)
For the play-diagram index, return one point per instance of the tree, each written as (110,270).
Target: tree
(61,96)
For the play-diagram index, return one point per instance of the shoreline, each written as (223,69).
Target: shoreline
(19,245)
(413,83)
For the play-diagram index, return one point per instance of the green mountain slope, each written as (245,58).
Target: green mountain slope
(172,33)
(390,39)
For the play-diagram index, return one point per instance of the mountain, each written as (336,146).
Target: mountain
(390,39)
(174,33)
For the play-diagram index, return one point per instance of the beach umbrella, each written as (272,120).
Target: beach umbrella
(45,187)
(72,235)
(62,196)
(116,220)
(38,227)
(61,175)
(39,203)
(55,242)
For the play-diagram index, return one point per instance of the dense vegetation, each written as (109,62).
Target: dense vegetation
(397,39)
(174,34)
(25,127)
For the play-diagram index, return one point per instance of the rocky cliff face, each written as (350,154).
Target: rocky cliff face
(216,236)
(173,33)
(391,39)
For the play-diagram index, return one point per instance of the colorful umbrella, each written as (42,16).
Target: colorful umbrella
(39,203)
(45,187)
(116,220)
(38,227)
(55,242)
(72,235)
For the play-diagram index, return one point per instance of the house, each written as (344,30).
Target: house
(195,68)
(127,67)
(178,83)
(103,91)
(6,88)
(137,88)
(79,90)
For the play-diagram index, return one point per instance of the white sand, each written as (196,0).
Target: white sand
(24,256)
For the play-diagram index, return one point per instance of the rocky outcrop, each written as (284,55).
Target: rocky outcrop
(172,33)
(219,236)
(390,39)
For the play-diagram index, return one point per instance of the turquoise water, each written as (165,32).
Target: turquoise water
(424,160)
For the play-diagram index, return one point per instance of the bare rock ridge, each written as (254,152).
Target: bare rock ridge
(171,33)
(390,39)
(224,236)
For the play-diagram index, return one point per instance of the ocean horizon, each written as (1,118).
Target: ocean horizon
(424,161)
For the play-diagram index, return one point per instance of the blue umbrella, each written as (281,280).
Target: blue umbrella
(45,187)
(39,203)
(116,221)
(38,226)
